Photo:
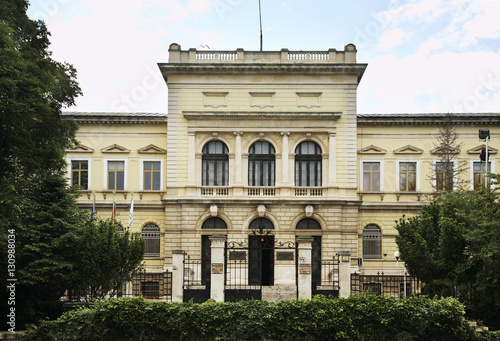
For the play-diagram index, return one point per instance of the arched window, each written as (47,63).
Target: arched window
(308,164)
(214,223)
(308,224)
(372,242)
(261,164)
(151,235)
(261,224)
(215,163)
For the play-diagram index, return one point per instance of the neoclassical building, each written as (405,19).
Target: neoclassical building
(261,180)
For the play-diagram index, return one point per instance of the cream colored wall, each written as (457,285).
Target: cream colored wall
(147,205)
(384,210)
(187,94)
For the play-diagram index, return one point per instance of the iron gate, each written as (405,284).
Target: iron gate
(196,286)
(250,265)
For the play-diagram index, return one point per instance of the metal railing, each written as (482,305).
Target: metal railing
(387,285)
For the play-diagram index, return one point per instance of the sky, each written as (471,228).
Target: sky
(423,56)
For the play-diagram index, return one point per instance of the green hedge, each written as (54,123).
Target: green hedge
(355,318)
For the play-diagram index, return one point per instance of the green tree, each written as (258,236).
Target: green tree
(35,201)
(453,247)
(107,257)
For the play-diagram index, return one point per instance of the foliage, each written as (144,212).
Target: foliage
(453,247)
(35,202)
(105,258)
(355,318)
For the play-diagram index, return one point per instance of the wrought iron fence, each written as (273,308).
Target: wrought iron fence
(330,273)
(192,272)
(388,285)
(156,286)
(147,285)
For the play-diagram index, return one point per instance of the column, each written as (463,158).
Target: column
(191,165)
(217,277)
(332,161)
(177,275)
(284,158)
(305,277)
(237,159)
(344,274)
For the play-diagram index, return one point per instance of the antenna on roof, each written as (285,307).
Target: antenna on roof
(260,19)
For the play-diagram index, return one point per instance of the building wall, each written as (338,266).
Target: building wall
(265,96)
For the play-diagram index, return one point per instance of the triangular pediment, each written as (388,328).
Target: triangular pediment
(408,149)
(372,150)
(80,149)
(445,150)
(478,149)
(114,148)
(152,149)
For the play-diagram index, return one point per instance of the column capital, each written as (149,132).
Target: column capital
(237,133)
(304,239)
(285,133)
(220,237)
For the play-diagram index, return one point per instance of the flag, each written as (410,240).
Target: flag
(92,211)
(131,213)
(113,213)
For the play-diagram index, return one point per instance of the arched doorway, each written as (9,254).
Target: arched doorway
(261,253)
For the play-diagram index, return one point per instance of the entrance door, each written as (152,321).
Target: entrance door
(261,260)
(206,261)
(316,264)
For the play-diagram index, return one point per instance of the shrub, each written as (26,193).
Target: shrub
(355,318)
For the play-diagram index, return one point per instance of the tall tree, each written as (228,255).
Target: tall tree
(107,258)
(453,247)
(35,204)
(447,169)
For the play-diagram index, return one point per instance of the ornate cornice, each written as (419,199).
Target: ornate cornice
(428,119)
(262,69)
(116,118)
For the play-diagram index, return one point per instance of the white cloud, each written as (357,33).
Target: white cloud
(445,82)
(392,38)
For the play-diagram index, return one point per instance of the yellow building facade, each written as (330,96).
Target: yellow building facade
(262,163)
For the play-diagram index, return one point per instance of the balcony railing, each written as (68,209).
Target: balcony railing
(308,191)
(223,191)
(261,191)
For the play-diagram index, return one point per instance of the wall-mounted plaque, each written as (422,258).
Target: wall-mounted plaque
(284,255)
(305,269)
(217,268)
(237,255)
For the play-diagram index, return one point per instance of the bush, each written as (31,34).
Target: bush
(355,318)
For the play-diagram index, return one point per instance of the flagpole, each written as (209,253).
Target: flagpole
(260,20)
(92,212)
(113,213)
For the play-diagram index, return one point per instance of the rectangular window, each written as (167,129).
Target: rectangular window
(478,173)
(444,176)
(116,175)
(152,175)
(80,173)
(407,176)
(371,176)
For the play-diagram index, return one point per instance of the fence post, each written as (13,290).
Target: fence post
(304,285)
(177,275)
(217,243)
(344,274)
